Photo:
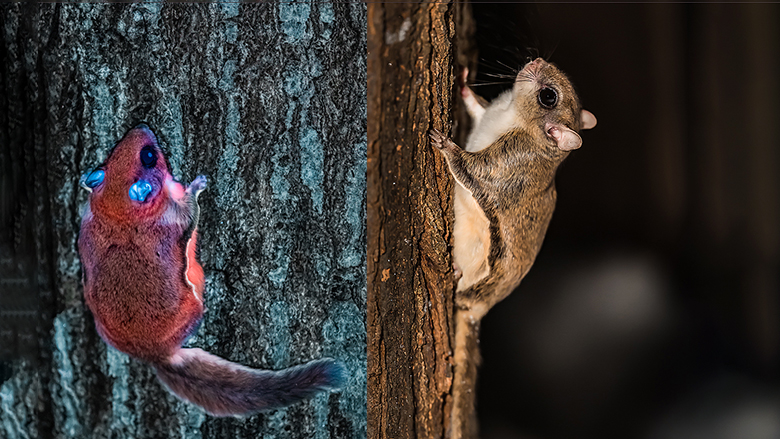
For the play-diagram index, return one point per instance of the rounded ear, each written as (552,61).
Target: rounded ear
(588,120)
(566,138)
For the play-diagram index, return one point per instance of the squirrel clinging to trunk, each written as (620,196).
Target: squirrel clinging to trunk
(144,285)
(504,199)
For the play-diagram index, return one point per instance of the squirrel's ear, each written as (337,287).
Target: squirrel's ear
(588,120)
(566,138)
(92,179)
(139,190)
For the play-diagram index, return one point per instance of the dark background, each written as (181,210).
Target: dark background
(653,310)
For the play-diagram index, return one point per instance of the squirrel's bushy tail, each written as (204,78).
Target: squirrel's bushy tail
(224,388)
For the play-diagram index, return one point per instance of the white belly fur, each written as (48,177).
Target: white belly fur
(470,239)
(499,118)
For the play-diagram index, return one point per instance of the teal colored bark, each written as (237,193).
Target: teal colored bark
(267,100)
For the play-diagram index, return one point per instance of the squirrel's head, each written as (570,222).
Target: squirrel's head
(549,100)
(130,184)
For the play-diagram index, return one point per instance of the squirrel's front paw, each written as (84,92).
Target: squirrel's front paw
(442,142)
(198,184)
(437,138)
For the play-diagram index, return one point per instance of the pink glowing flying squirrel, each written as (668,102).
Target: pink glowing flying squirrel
(144,285)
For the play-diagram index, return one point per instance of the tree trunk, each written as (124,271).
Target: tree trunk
(412,54)
(268,101)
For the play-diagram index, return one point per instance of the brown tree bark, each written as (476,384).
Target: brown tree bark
(412,53)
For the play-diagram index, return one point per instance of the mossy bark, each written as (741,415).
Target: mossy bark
(269,101)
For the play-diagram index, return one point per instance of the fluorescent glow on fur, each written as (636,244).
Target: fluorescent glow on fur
(144,286)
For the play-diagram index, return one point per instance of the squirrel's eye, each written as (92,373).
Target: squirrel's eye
(148,157)
(548,97)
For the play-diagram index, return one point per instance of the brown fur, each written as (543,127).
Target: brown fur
(514,187)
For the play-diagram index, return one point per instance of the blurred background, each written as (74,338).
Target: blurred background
(653,310)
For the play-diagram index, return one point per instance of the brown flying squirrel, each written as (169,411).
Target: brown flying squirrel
(144,285)
(504,200)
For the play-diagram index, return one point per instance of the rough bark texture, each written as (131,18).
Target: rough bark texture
(267,100)
(410,68)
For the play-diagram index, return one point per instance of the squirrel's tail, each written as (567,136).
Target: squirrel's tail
(224,388)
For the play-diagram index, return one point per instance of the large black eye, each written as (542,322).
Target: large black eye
(548,97)
(148,157)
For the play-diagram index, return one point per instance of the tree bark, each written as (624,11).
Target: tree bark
(412,53)
(268,100)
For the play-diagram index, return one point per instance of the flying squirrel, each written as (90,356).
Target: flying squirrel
(503,202)
(144,285)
